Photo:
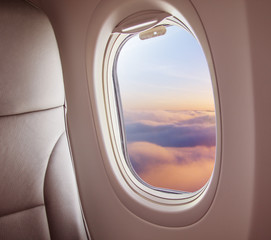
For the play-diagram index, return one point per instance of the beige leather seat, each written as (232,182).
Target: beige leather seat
(38,191)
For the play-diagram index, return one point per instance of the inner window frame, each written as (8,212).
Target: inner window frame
(116,41)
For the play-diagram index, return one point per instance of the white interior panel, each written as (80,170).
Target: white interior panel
(239,36)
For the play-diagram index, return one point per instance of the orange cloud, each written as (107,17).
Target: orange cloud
(185,169)
(188,177)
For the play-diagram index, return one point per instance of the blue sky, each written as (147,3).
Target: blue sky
(167,66)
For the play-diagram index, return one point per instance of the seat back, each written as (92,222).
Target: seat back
(38,191)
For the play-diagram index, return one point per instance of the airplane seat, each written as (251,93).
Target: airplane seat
(38,192)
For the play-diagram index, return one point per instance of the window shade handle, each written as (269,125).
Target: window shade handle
(140,22)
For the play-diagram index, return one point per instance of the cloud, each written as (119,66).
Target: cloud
(171,128)
(144,155)
(172,149)
(165,117)
(190,177)
(185,169)
(171,135)
(201,120)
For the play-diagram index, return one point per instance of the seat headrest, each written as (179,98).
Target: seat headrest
(30,69)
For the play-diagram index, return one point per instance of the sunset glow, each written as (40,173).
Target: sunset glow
(168,109)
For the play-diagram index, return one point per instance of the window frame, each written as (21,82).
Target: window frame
(117,130)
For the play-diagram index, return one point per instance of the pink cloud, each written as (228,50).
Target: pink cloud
(164,117)
(188,177)
(185,169)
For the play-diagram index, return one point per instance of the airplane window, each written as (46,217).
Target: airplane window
(166,109)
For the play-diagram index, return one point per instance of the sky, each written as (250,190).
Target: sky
(168,109)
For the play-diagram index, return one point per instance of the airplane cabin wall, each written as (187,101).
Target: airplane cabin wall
(239,37)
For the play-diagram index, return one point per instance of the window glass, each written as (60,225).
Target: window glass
(167,108)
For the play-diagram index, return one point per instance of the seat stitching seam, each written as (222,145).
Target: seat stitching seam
(46,175)
(30,208)
(29,112)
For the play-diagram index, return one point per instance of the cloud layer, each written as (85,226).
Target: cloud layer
(172,129)
(185,169)
(171,135)
(172,149)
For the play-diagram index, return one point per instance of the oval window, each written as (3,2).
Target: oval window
(166,108)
